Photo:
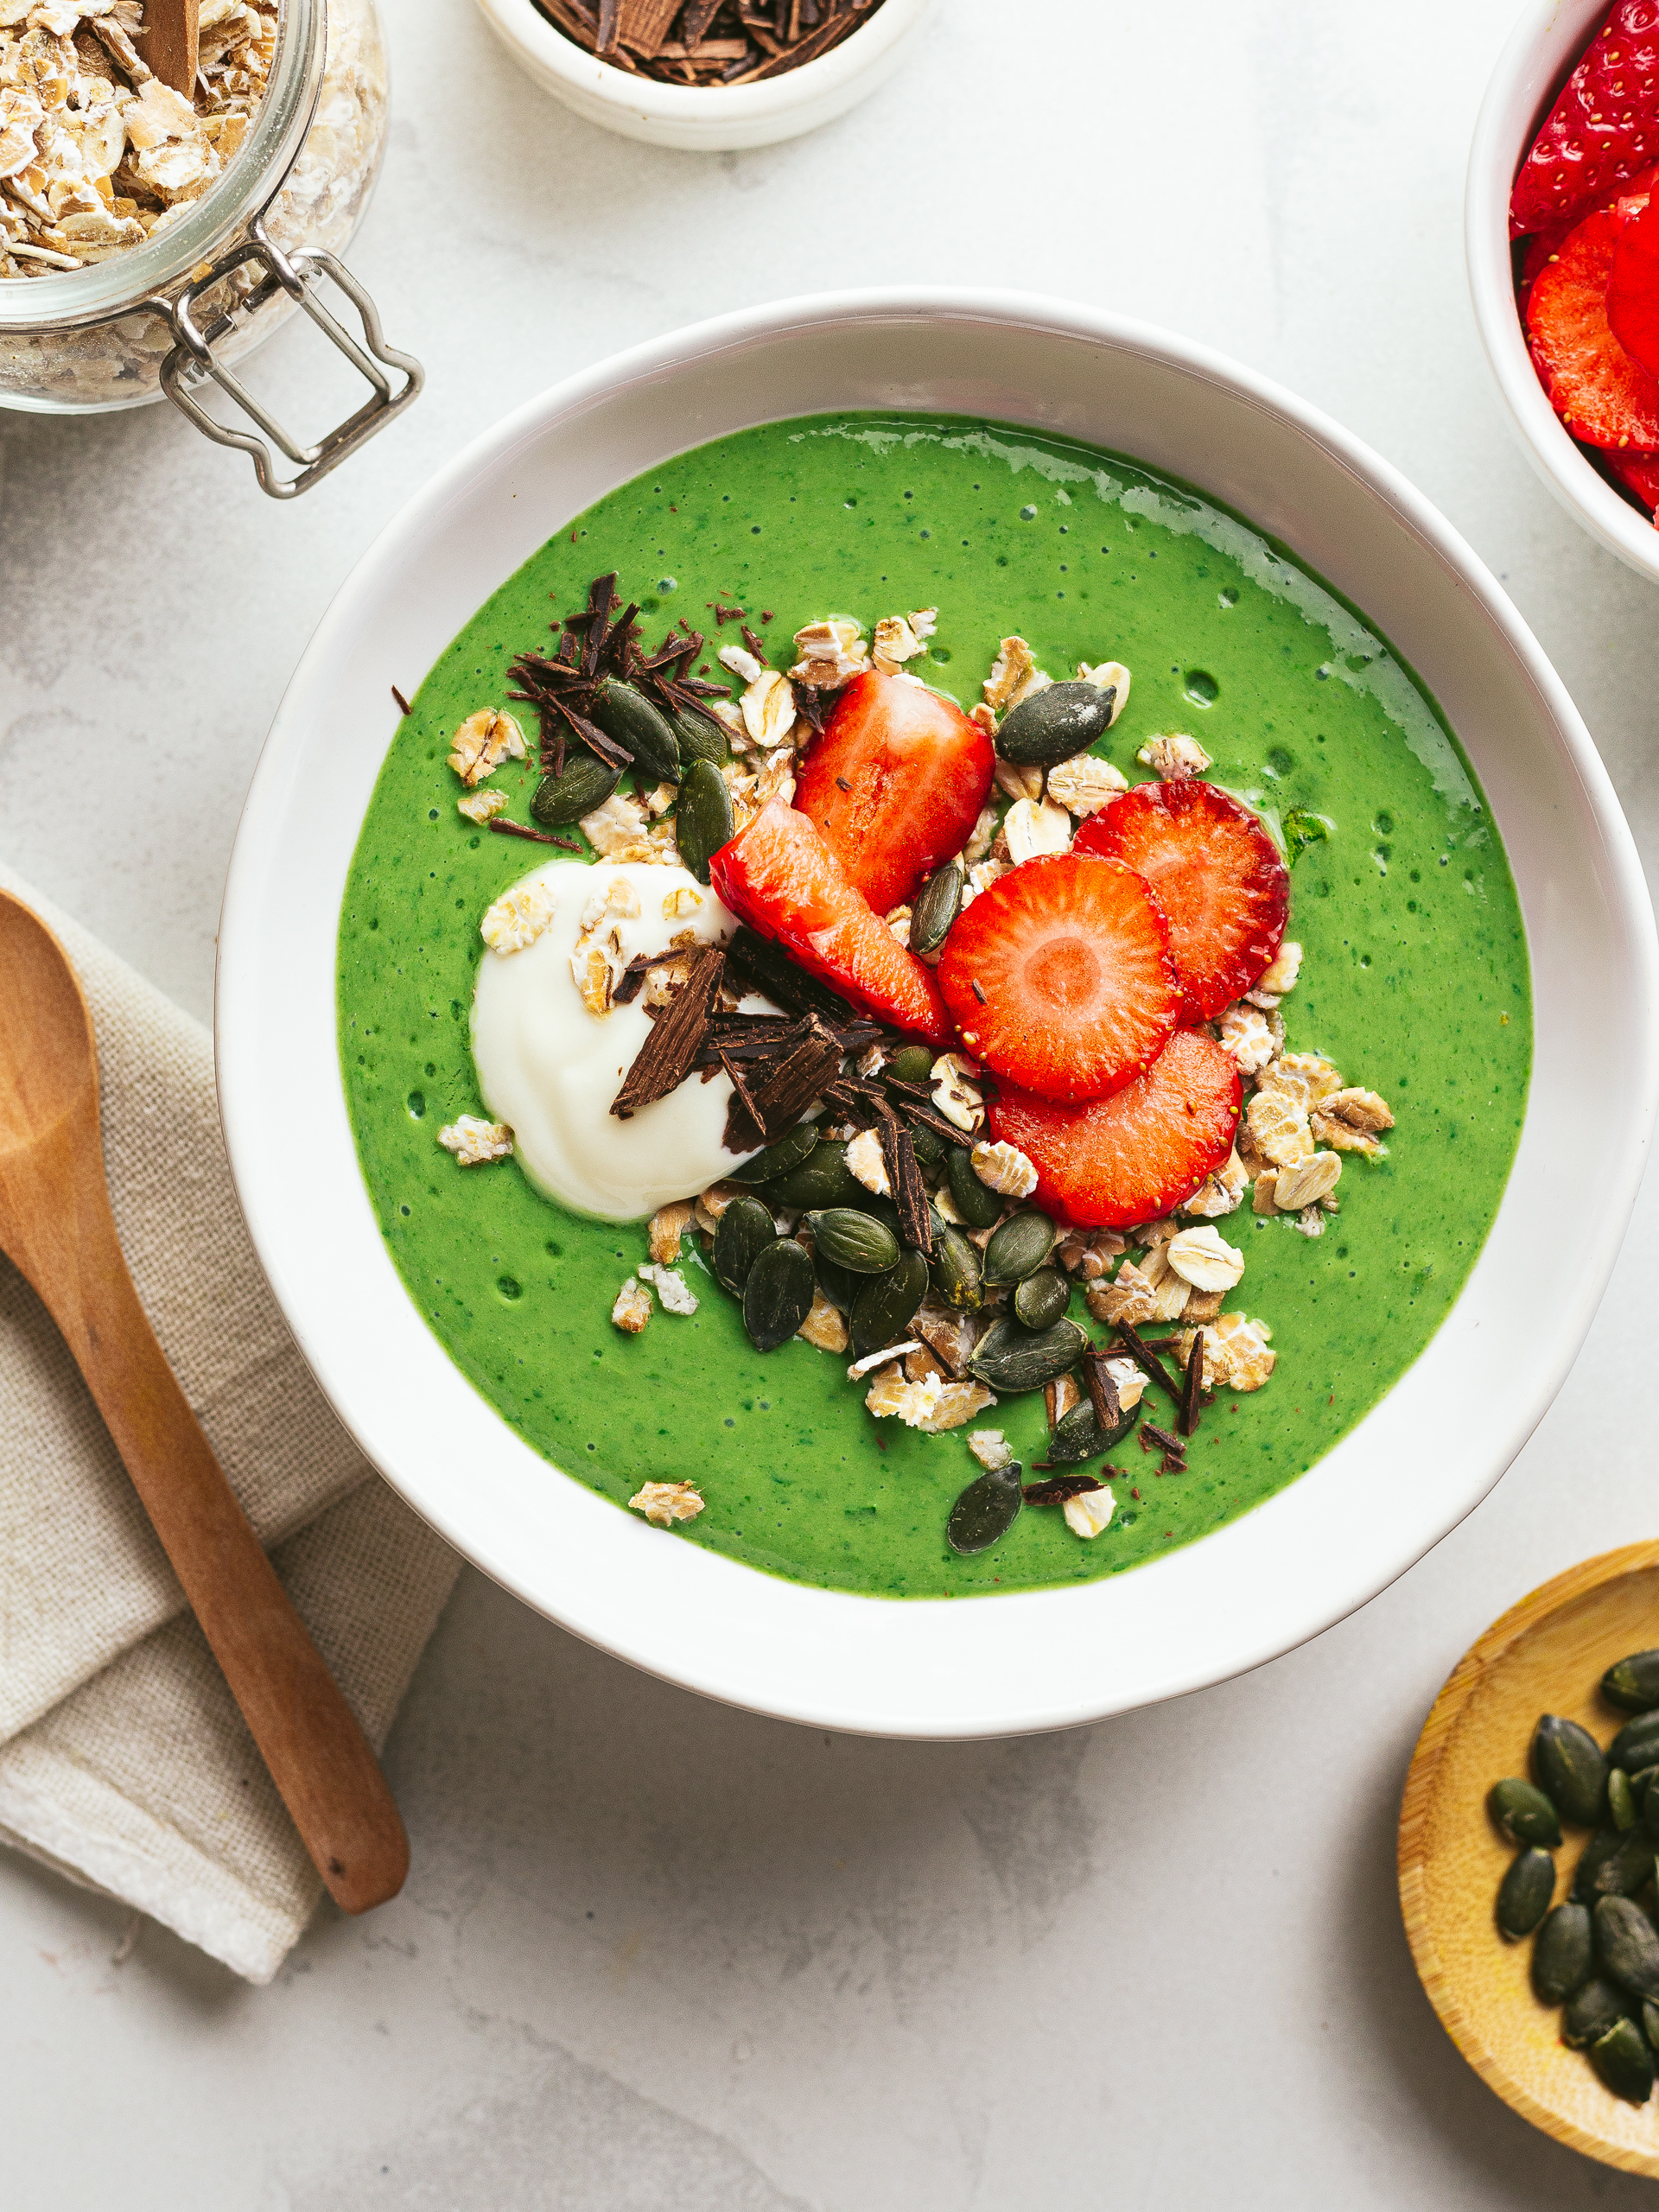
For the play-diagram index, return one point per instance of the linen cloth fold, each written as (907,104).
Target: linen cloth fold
(124,1760)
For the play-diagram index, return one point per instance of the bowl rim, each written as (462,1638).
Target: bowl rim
(250,1118)
(1524,80)
(523,24)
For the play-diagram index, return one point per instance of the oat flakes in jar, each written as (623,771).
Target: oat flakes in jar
(149,240)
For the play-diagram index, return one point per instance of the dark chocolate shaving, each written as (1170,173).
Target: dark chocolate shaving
(1103,1391)
(808,705)
(403,706)
(1059,1488)
(664,1061)
(1153,1438)
(1148,1362)
(757,965)
(756,645)
(905,1180)
(780,1094)
(503,828)
(1192,1383)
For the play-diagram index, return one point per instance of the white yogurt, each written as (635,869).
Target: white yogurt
(549,1068)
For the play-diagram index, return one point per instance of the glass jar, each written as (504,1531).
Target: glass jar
(176,311)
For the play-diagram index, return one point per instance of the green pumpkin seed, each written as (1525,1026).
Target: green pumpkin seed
(697,737)
(1051,724)
(742,1234)
(1621,1801)
(854,1240)
(839,1285)
(980,1206)
(956,1269)
(1078,1435)
(1041,1298)
(985,1510)
(1644,1787)
(1523,1814)
(702,821)
(628,716)
(778,1296)
(1523,1895)
(778,1159)
(1019,1248)
(929,1147)
(884,1308)
(1636,1744)
(911,1064)
(1568,1766)
(1626,1947)
(1632,1684)
(1591,2012)
(1624,2063)
(823,1178)
(1010,1358)
(936,909)
(1615,1863)
(1564,1953)
(1650,2020)
(585,784)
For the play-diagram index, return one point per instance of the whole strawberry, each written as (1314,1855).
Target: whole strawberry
(1601,131)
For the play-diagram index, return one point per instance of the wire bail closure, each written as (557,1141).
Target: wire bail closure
(192,360)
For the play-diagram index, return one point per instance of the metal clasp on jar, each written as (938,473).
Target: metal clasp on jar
(191,361)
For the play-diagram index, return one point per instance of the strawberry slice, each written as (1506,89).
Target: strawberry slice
(1217,875)
(895,784)
(1601,394)
(784,882)
(1059,976)
(1633,283)
(1639,473)
(1602,130)
(1131,1157)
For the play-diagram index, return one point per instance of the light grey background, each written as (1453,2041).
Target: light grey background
(653,1954)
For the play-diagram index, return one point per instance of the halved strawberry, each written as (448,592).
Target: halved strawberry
(1601,131)
(1540,251)
(1639,473)
(784,882)
(1601,394)
(1059,976)
(1633,282)
(1131,1157)
(895,784)
(1217,875)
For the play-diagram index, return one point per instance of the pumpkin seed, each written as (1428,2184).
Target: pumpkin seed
(1010,1358)
(839,1285)
(1523,1895)
(1523,1814)
(1632,1684)
(702,821)
(1624,2063)
(854,1240)
(1650,2020)
(1050,726)
(778,1296)
(585,784)
(956,1269)
(629,717)
(1078,1435)
(697,737)
(1568,1766)
(742,1234)
(1565,1955)
(1041,1298)
(1019,1248)
(1621,1801)
(911,1064)
(1643,1789)
(1626,1946)
(1591,2012)
(928,1146)
(778,1159)
(985,1510)
(883,1308)
(823,1178)
(980,1206)
(1615,1863)
(1636,1744)
(936,909)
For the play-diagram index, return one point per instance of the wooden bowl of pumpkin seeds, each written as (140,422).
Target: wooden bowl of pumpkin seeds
(1529,1846)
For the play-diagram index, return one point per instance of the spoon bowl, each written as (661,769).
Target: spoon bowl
(50,1065)
(1546,1654)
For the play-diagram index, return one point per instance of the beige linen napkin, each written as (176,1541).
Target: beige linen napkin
(124,1761)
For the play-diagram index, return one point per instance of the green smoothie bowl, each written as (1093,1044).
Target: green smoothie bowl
(1018,1383)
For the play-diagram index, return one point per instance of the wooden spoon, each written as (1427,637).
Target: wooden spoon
(170,32)
(1547,1655)
(55,1224)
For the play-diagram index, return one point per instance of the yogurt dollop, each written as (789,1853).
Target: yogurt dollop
(550,1067)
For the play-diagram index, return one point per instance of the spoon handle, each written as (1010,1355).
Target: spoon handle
(318,1756)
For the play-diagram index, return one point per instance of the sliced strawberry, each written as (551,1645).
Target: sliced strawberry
(1133,1156)
(1059,976)
(1633,283)
(1540,251)
(1639,473)
(1602,130)
(1601,394)
(895,784)
(1217,875)
(784,882)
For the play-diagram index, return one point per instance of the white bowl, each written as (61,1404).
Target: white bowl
(706,119)
(1531,70)
(1018,1660)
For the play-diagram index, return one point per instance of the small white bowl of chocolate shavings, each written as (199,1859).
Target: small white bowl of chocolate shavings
(707,75)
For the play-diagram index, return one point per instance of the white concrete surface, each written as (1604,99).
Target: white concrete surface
(655,1956)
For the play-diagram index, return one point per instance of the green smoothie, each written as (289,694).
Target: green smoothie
(1414,983)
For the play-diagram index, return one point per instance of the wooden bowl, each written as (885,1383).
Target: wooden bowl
(1546,1654)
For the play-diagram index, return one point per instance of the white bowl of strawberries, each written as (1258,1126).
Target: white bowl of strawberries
(1561,233)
